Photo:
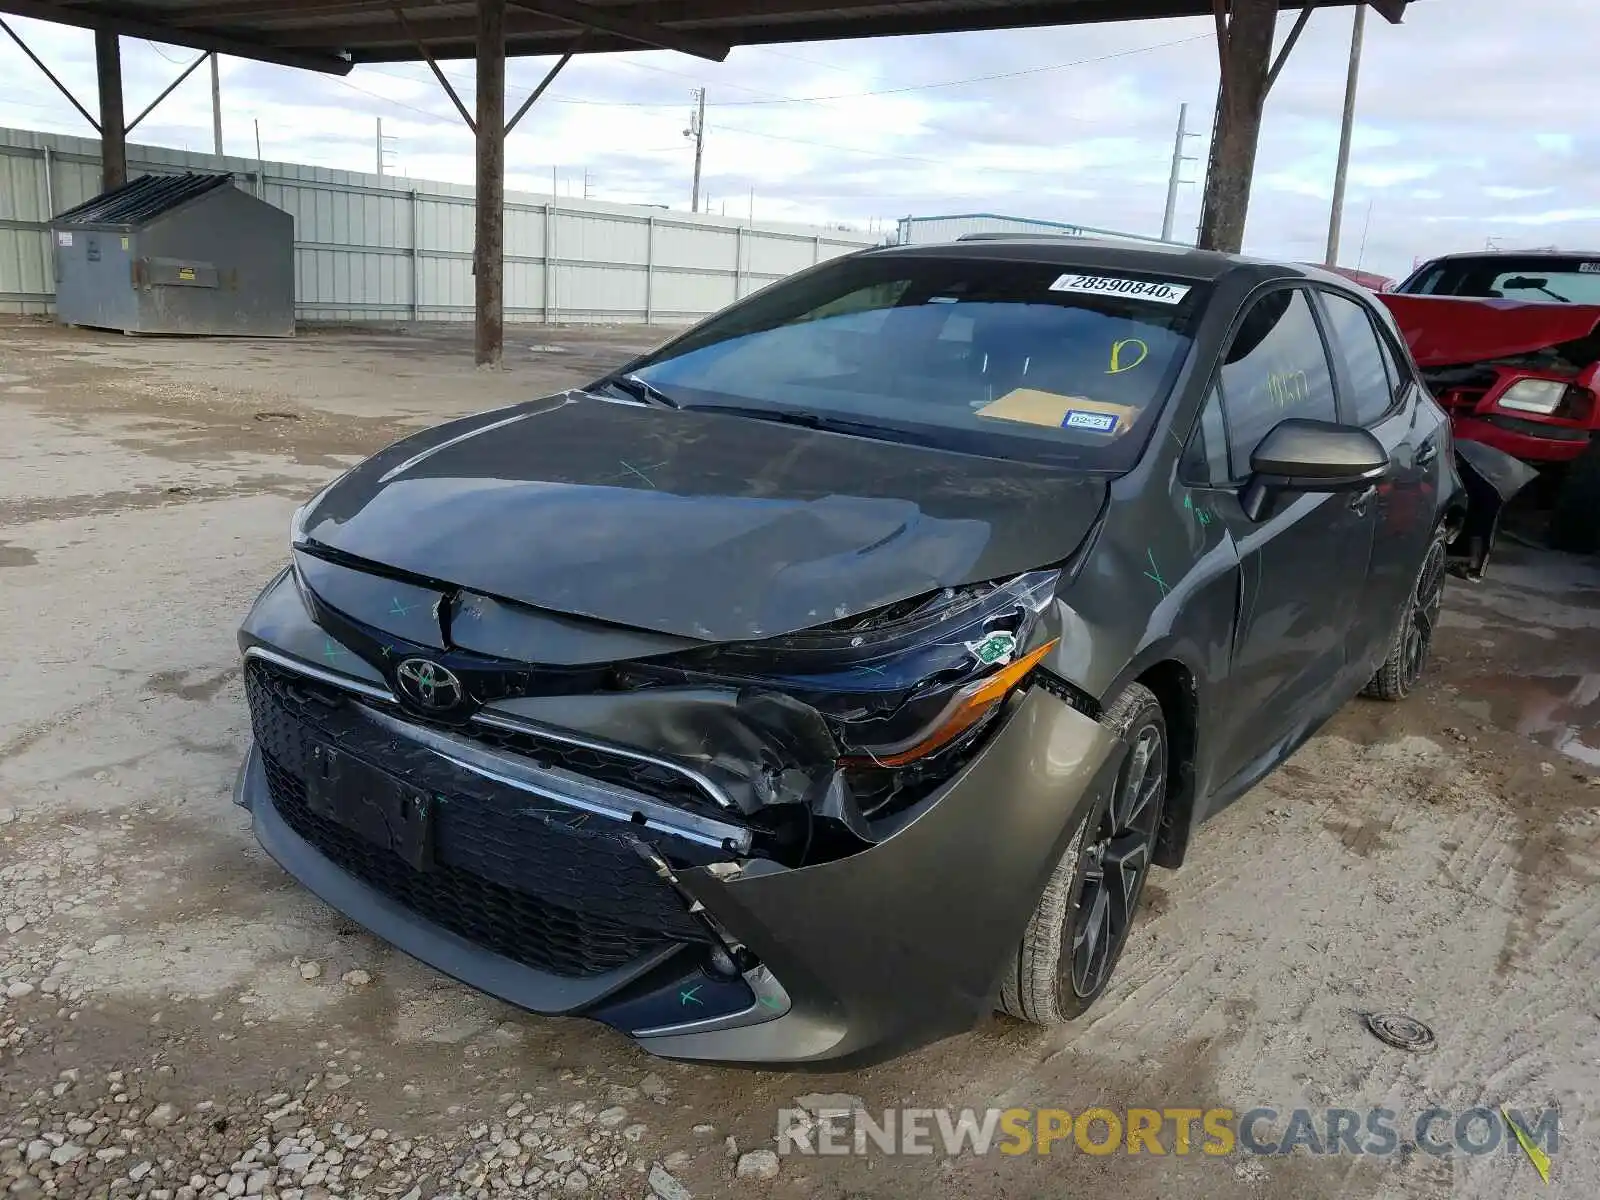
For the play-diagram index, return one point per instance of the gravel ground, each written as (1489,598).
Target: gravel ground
(179,1020)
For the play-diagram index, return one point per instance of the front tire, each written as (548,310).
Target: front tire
(1077,931)
(1412,640)
(1575,523)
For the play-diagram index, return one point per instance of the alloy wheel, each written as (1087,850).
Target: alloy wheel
(1113,865)
(1423,617)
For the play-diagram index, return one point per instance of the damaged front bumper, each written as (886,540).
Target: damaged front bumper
(548,879)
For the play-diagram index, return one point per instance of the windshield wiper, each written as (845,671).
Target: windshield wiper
(637,389)
(806,420)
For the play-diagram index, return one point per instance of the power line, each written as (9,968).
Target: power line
(922,87)
(163,53)
(775,98)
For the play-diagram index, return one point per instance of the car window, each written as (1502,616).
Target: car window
(1545,278)
(1276,368)
(1034,361)
(1371,381)
(1205,458)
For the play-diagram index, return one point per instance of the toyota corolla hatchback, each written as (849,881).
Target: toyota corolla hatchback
(833,675)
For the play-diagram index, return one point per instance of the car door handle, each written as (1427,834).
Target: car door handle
(1359,502)
(1427,452)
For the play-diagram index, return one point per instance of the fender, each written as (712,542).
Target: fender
(1492,477)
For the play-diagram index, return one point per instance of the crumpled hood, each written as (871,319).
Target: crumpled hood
(695,524)
(1449,330)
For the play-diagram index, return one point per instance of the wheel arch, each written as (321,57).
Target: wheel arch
(1176,687)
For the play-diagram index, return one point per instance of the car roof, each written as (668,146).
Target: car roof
(1543,253)
(1185,262)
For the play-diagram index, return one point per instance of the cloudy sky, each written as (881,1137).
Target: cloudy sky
(1475,122)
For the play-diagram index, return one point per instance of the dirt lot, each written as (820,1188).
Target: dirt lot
(179,1019)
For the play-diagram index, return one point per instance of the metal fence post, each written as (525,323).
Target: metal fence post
(649,268)
(816,250)
(47,244)
(738,262)
(416,262)
(550,261)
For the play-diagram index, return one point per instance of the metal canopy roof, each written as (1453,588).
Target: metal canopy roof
(332,35)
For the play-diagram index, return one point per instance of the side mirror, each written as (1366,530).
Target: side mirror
(1298,455)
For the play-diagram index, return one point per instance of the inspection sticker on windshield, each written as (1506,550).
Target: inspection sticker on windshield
(1134,289)
(1093,422)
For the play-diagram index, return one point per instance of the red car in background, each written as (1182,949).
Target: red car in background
(1509,343)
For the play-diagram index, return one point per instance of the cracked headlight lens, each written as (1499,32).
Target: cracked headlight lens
(903,683)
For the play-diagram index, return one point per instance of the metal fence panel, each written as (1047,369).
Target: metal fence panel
(378,247)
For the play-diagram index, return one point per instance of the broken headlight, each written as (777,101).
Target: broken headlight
(904,687)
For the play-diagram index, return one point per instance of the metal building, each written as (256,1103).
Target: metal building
(176,254)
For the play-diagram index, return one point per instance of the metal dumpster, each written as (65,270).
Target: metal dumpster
(176,254)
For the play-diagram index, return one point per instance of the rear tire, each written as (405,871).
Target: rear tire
(1076,934)
(1575,523)
(1412,640)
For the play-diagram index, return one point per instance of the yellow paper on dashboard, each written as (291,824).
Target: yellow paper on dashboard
(1054,411)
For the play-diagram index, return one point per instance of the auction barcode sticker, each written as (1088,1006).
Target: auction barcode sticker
(1134,289)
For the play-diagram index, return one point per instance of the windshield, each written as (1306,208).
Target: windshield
(1016,360)
(1540,277)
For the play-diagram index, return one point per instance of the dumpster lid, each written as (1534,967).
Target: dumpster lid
(142,199)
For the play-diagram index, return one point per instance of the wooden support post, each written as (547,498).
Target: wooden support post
(1246,56)
(113,135)
(488,257)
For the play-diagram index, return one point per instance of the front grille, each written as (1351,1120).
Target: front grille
(540,885)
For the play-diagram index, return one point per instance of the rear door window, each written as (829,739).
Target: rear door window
(1276,368)
(1371,384)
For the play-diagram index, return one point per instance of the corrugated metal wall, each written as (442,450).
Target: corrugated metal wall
(377,247)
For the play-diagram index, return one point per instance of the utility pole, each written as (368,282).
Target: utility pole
(1178,159)
(697,130)
(216,108)
(1336,217)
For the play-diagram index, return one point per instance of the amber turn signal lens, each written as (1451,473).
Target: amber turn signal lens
(970,705)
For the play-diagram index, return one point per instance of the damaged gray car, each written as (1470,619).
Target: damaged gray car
(832,675)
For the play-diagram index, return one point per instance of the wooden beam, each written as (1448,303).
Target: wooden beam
(549,78)
(143,23)
(646,33)
(488,251)
(1238,131)
(1288,43)
(167,91)
(113,139)
(743,23)
(437,73)
(49,74)
(228,12)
